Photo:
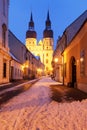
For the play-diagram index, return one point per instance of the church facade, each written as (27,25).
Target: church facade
(43,49)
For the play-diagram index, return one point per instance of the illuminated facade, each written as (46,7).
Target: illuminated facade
(23,63)
(71,52)
(4,49)
(43,49)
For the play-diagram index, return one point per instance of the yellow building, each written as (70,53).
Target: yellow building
(75,58)
(71,52)
(43,49)
(4,49)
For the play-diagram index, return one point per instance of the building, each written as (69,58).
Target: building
(4,48)
(72,48)
(44,48)
(23,63)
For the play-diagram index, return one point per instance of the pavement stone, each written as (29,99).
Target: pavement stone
(63,93)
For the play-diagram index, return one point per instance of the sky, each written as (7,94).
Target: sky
(62,14)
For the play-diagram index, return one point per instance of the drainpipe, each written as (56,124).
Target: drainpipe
(63,68)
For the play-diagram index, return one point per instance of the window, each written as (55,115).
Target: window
(4,69)
(46,61)
(47,48)
(22,51)
(47,54)
(4,7)
(82,62)
(4,29)
(46,68)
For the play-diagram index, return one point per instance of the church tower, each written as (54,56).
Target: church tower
(44,48)
(48,45)
(31,36)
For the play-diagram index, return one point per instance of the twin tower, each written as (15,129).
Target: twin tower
(44,48)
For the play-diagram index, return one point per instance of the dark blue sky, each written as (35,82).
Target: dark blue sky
(62,14)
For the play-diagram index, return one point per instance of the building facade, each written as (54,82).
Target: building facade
(23,63)
(43,49)
(74,53)
(4,48)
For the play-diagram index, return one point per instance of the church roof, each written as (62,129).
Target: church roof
(31,34)
(48,33)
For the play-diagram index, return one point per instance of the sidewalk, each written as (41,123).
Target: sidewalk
(11,84)
(63,93)
(7,91)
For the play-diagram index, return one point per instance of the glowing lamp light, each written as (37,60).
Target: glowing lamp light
(56,60)
(22,67)
(82,59)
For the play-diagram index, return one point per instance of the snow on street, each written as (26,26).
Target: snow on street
(35,110)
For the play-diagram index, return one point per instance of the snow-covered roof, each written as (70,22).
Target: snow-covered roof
(74,27)
(13,57)
(37,57)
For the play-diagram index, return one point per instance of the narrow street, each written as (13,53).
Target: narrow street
(34,109)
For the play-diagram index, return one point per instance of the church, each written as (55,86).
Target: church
(44,48)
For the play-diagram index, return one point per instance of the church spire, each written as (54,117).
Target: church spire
(31,33)
(31,18)
(48,22)
(48,18)
(48,32)
(31,23)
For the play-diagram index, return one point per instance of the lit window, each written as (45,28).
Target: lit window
(47,54)
(46,68)
(46,61)
(82,62)
(47,48)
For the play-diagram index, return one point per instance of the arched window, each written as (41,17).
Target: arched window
(4,29)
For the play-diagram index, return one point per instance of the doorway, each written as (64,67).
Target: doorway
(73,72)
